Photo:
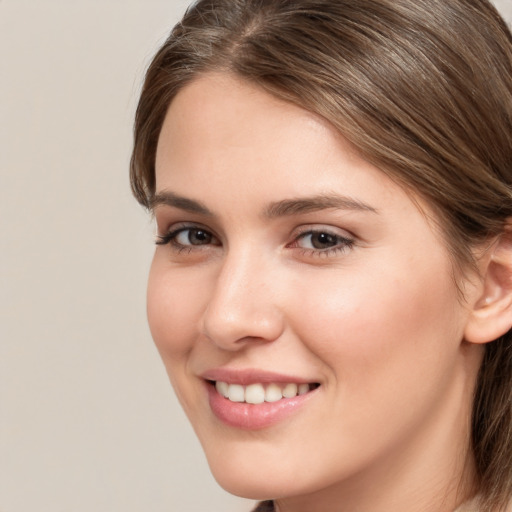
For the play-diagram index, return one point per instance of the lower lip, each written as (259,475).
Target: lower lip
(254,416)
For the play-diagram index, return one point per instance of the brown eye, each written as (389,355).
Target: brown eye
(322,243)
(191,236)
(320,240)
(323,240)
(188,237)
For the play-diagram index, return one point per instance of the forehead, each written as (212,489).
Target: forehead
(221,112)
(223,136)
(218,121)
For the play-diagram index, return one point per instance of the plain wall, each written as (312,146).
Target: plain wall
(88,421)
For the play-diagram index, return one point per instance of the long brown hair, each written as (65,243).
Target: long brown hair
(422,89)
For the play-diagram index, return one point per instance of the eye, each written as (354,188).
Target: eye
(318,240)
(193,237)
(321,242)
(187,237)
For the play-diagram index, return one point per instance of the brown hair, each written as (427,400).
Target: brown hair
(422,89)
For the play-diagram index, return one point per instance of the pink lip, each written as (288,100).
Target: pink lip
(252,416)
(250,376)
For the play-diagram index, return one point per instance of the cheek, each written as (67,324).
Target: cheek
(173,309)
(390,347)
(376,323)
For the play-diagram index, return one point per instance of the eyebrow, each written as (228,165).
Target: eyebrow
(315,203)
(183,203)
(284,208)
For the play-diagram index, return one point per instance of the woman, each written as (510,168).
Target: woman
(331,291)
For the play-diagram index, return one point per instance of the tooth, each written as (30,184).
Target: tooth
(273,393)
(303,389)
(290,390)
(222,388)
(254,394)
(236,393)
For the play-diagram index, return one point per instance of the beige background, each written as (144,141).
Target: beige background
(88,421)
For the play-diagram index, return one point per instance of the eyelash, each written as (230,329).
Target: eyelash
(342,243)
(170,238)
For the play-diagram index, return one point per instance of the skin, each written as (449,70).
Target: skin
(377,321)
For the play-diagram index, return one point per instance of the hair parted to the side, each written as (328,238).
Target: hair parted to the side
(422,89)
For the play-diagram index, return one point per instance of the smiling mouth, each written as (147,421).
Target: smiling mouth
(258,393)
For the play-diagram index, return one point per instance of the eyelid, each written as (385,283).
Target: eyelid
(346,240)
(323,228)
(343,239)
(170,234)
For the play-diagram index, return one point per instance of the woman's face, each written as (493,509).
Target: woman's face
(289,265)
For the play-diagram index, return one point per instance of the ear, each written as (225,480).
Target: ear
(491,313)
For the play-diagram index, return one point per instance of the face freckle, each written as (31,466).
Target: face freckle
(369,318)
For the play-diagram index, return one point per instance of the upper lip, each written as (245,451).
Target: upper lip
(250,376)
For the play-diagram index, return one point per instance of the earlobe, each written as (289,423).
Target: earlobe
(491,314)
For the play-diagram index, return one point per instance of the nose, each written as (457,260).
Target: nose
(242,306)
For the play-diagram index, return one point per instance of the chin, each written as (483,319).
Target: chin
(267,478)
(252,486)
(248,477)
